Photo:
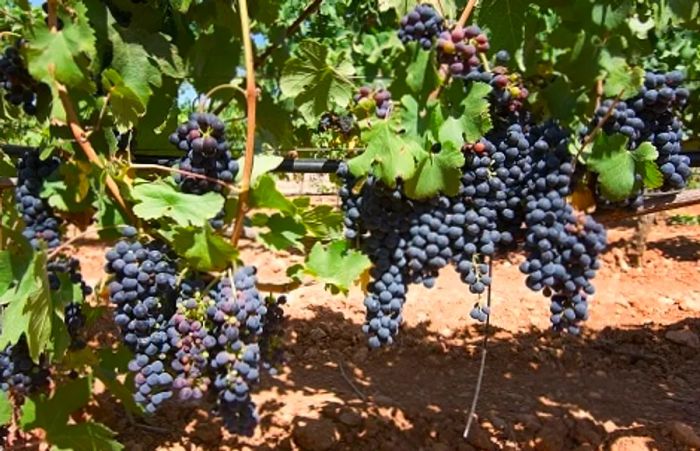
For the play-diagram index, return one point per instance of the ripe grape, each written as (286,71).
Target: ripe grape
(421,24)
(20,88)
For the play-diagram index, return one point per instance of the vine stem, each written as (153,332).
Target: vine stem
(482,365)
(158,167)
(74,123)
(289,31)
(251,101)
(54,253)
(225,86)
(466,13)
(84,144)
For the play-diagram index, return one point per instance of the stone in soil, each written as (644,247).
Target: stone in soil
(684,434)
(684,337)
(315,435)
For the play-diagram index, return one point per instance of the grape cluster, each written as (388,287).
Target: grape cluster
(562,247)
(653,116)
(18,372)
(20,88)
(343,124)
(41,224)
(42,227)
(195,337)
(143,290)
(421,24)
(380,100)
(460,48)
(271,350)
(207,154)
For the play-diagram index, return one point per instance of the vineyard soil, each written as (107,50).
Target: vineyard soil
(626,383)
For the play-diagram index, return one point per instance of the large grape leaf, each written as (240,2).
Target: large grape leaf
(29,310)
(203,249)
(336,265)
(64,55)
(87,436)
(505,21)
(160,199)
(614,164)
(645,162)
(208,72)
(437,172)
(470,121)
(621,78)
(284,232)
(52,414)
(317,80)
(388,155)
(416,73)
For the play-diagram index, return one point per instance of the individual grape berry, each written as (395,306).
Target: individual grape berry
(380,100)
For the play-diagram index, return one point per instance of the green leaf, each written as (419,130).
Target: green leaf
(336,265)
(614,164)
(160,199)
(621,78)
(68,188)
(416,73)
(87,436)
(29,310)
(284,232)
(63,56)
(203,249)
(316,82)
(471,121)
(6,274)
(323,221)
(125,103)
(437,172)
(266,195)
(52,414)
(5,408)
(208,72)
(388,155)
(645,161)
(112,363)
(262,164)
(505,21)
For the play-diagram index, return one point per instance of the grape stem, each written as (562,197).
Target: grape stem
(312,8)
(157,167)
(217,88)
(482,365)
(54,253)
(251,98)
(466,13)
(84,144)
(52,20)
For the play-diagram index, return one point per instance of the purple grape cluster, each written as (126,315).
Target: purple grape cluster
(20,88)
(208,154)
(19,373)
(41,223)
(460,48)
(143,291)
(43,228)
(380,100)
(422,24)
(653,116)
(342,124)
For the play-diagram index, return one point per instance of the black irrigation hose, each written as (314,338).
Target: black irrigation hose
(291,165)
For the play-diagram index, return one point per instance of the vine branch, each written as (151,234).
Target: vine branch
(251,99)
(466,13)
(84,144)
(308,11)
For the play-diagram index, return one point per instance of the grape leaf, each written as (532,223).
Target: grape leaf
(68,188)
(621,78)
(206,71)
(645,162)
(63,56)
(160,199)
(52,414)
(416,73)
(6,275)
(284,231)
(614,164)
(266,195)
(262,164)
(316,82)
(29,310)
(336,265)
(125,103)
(469,122)
(388,155)
(323,221)
(203,249)
(505,21)
(437,172)
(86,436)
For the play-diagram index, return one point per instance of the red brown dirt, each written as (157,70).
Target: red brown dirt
(621,385)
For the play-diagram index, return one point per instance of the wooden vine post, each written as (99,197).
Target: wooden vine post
(251,99)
